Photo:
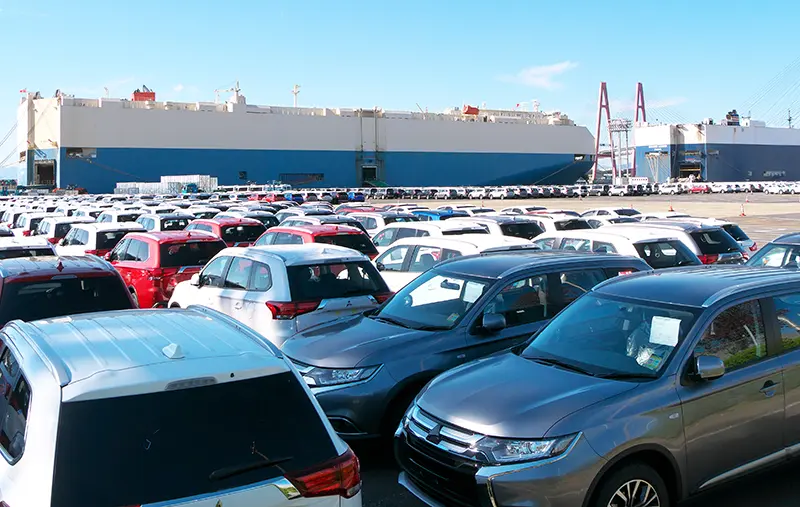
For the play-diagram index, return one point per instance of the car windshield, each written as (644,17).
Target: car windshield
(193,253)
(108,239)
(606,336)
(242,233)
(433,301)
(16,253)
(314,282)
(52,298)
(174,224)
(777,256)
(267,220)
(227,425)
(736,232)
(715,241)
(470,230)
(526,230)
(571,225)
(627,212)
(666,254)
(359,242)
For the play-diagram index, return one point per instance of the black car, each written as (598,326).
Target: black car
(366,369)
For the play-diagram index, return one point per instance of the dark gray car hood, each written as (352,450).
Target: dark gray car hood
(510,396)
(350,341)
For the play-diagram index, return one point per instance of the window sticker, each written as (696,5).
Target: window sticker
(665,331)
(472,292)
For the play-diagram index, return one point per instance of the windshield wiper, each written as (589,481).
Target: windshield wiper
(389,320)
(224,473)
(624,376)
(432,328)
(562,364)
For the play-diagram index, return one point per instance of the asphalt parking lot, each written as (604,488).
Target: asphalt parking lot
(766,216)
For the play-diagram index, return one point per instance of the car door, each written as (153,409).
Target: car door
(234,288)
(386,237)
(117,258)
(393,265)
(734,420)
(254,310)
(135,260)
(212,279)
(787,313)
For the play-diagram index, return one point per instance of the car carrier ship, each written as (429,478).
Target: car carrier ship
(67,141)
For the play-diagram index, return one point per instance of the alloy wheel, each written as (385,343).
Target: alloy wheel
(635,493)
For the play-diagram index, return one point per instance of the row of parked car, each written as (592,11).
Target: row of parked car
(517,373)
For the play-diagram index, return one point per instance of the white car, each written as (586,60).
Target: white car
(88,212)
(119,216)
(375,221)
(53,229)
(407,258)
(524,227)
(165,222)
(12,248)
(27,223)
(95,239)
(202,212)
(189,387)
(559,222)
(522,210)
(501,193)
(659,251)
(610,212)
(621,190)
(670,189)
(280,290)
(400,230)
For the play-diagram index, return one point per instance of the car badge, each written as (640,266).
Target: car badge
(434,436)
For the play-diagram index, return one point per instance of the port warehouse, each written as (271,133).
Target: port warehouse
(95,143)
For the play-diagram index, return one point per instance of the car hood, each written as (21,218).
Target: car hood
(510,396)
(348,342)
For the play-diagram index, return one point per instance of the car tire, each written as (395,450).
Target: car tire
(135,298)
(636,479)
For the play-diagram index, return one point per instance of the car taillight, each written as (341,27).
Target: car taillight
(628,272)
(754,247)
(92,252)
(53,241)
(155,274)
(708,259)
(27,233)
(383,296)
(288,311)
(340,476)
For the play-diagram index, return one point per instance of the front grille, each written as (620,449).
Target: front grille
(441,470)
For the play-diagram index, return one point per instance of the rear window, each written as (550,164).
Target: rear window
(193,253)
(54,298)
(627,212)
(359,242)
(572,225)
(736,232)
(242,233)
(456,232)
(205,429)
(62,230)
(391,220)
(127,217)
(350,223)
(715,241)
(34,223)
(527,230)
(267,220)
(327,281)
(205,214)
(174,224)
(16,253)
(109,239)
(666,254)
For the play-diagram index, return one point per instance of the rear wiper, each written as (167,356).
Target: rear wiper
(624,376)
(562,364)
(390,321)
(224,473)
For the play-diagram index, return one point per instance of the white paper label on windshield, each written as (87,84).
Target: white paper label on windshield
(472,292)
(665,331)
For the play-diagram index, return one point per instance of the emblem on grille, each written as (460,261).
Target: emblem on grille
(434,436)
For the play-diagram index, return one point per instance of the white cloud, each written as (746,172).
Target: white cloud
(541,76)
(178,88)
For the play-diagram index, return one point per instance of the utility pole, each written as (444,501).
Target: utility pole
(295,91)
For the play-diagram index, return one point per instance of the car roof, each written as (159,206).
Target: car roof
(501,264)
(479,241)
(791,238)
(499,219)
(22,242)
(24,267)
(318,229)
(168,216)
(109,354)
(605,233)
(61,219)
(698,286)
(117,211)
(291,255)
(443,225)
(676,224)
(227,221)
(110,226)
(171,236)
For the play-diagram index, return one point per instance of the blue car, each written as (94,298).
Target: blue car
(428,215)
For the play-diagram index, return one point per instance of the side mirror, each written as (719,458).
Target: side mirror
(380,266)
(107,256)
(195,280)
(709,367)
(63,242)
(494,322)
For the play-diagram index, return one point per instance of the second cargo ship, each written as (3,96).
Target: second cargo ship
(95,143)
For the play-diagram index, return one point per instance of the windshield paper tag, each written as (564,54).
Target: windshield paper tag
(472,292)
(665,331)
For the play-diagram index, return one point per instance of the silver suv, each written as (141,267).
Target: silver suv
(649,388)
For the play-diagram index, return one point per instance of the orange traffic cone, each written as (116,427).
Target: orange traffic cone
(670,207)
(742,213)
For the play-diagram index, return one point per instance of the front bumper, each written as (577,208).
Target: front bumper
(440,478)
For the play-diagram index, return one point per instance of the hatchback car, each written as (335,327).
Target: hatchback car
(116,215)
(639,393)
(374,221)
(711,243)
(12,248)
(281,290)
(366,369)
(28,222)
(153,382)
(342,235)
(95,239)
(53,229)
(300,221)
(165,221)
(153,264)
(233,231)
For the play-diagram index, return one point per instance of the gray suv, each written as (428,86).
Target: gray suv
(648,389)
(365,370)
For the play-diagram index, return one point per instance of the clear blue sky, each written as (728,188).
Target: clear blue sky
(699,58)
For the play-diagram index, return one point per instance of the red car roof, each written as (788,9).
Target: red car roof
(318,230)
(173,236)
(227,221)
(33,267)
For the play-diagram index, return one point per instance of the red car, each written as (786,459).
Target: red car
(342,235)
(233,231)
(153,263)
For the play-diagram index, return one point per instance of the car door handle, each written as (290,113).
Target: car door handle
(769,388)
(237,306)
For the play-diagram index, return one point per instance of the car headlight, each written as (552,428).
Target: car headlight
(319,377)
(501,451)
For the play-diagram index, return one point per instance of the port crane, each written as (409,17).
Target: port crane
(235,90)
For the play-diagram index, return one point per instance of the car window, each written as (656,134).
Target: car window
(244,233)
(109,239)
(602,246)
(266,239)
(239,273)
(579,244)
(777,256)
(261,279)
(666,254)
(545,244)
(787,309)
(385,237)
(192,253)
(204,227)
(576,283)
(407,232)
(715,241)
(525,230)
(359,242)
(523,301)
(15,420)
(369,223)
(425,258)
(211,276)
(138,251)
(119,253)
(285,238)
(393,258)
(335,280)
(736,336)
(173,224)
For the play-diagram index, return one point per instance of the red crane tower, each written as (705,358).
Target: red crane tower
(603,105)
(638,119)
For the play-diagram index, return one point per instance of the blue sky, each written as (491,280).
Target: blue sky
(696,58)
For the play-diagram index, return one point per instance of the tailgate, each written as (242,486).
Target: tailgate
(264,495)
(331,309)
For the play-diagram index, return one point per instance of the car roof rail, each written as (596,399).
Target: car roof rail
(511,248)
